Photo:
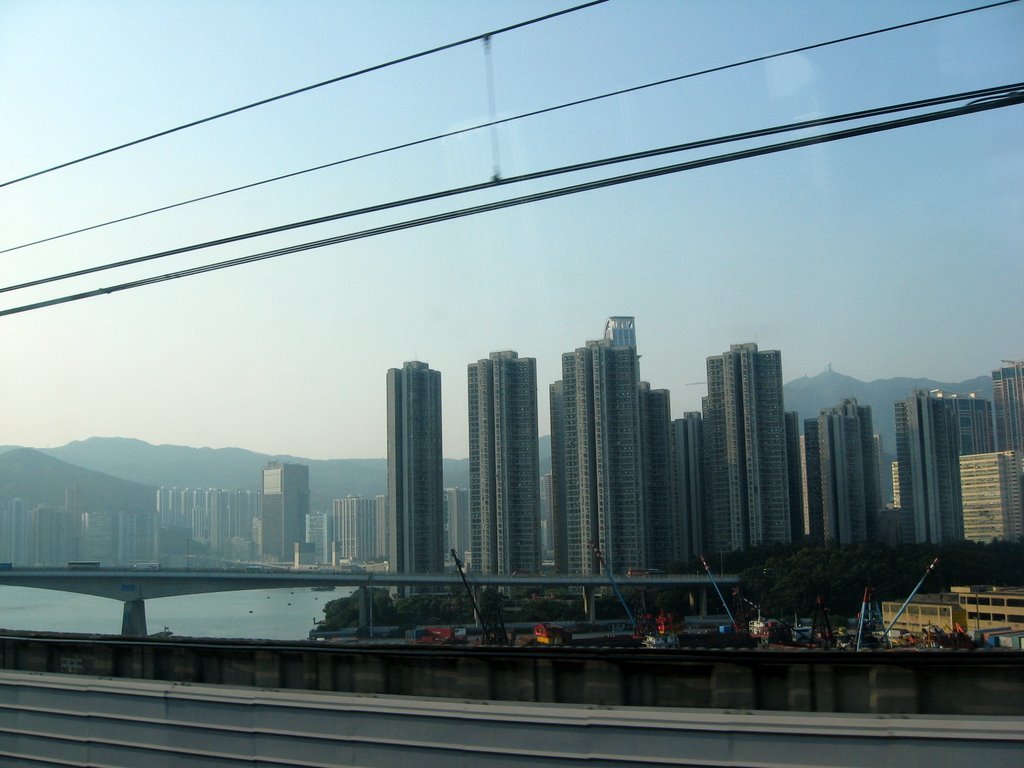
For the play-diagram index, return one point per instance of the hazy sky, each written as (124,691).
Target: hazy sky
(897,254)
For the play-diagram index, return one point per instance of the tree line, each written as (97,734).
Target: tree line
(783,581)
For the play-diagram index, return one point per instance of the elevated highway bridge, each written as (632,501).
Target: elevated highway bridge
(134,586)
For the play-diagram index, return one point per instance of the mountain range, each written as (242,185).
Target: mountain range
(126,472)
(38,479)
(808,395)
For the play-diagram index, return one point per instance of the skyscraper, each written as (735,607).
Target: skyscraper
(504,464)
(687,456)
(972,416)
(850,497)
(620,331)
(596,455)
(355,528)
(547,494)
(814,512)
(560,481)
(415,484)
(745,459)
(660,512)
(320,534)
(285,506)
(794,471)
(929,468)
(382,526)
(1008,394)
(991,488)
(456,515)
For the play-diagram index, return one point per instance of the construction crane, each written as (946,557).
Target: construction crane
(615,587)
(885,635)
(492,635)
(732,619)
(870,618)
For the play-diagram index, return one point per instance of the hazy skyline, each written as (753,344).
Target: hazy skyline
(897,254)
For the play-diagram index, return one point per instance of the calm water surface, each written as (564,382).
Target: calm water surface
(270,614)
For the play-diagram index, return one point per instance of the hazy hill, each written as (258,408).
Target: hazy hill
(185,467)
(40,479)
(808,395)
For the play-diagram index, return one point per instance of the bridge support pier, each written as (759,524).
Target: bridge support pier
(365,597)
(133,619)
(590,603)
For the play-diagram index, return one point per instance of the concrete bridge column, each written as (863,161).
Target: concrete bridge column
(590,604)
(703,602)
(133,618)
(365,596)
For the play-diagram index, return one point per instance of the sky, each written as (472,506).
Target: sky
(894,254)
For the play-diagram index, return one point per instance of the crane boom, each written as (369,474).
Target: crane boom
(491,635)
(885,634)
(714,583)
(615,587)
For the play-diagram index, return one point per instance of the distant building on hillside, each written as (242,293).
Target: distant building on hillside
(285,506)
(355,529)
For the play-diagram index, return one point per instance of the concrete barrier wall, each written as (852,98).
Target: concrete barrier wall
(75,720)
(939,683)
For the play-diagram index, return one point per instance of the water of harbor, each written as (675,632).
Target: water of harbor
(269,614)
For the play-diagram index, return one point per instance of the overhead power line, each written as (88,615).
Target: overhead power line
(979,105)
(532,176)
(494,123)
(995,92)
(307,88)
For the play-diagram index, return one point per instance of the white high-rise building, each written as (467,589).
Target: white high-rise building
(355,528)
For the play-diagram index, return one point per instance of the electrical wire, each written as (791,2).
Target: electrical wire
(307,88)
(494,123)
(984,93)
(1011,99)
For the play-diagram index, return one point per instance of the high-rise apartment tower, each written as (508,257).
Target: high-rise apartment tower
(415,484)
(929,468)
(504,464)
(596,455)
(1008,394)
(745,458)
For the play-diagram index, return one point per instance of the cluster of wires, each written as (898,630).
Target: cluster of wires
(807,132)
